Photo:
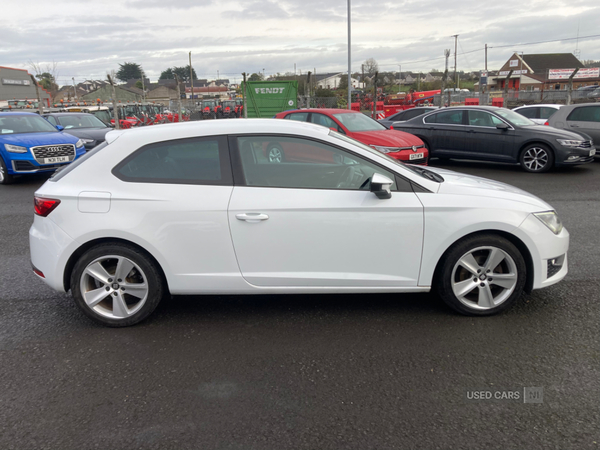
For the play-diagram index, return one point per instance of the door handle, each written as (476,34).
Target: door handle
(470,131)
(251,217)
(574,126)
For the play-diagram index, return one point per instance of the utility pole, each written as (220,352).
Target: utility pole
(178,95)
(192,80)
(349,60)
(308,89)
(486,57)
(39,98)
(74,88)
(445,79)
(143,87)
(375,96)
(263,74)
(399,78)
(570,88)
(455,48)
(363,76)
(114,97)
(244,97)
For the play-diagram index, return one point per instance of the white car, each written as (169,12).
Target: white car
(197,208)
(538,113)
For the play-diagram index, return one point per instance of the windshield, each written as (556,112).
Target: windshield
(358,122)
(15,124)
(81,121)
(514,118)
(421,171)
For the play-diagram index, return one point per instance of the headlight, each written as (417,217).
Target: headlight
(570,142)
(551,220)
(79,143)
(384,149)
(15,148)
(87,141)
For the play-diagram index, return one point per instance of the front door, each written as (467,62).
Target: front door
(485,141)
(316,223)
(446,132)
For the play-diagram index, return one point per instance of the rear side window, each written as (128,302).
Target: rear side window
(588,114)
(412,113)
(546,112)
(180,161)
(446,117)
(530,113)
(300,117)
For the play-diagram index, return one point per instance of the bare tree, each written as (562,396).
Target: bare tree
(371,66)
(46,74)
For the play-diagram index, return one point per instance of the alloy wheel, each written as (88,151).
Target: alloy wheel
(275,155)
(114,287)
(484,278)
(535,159)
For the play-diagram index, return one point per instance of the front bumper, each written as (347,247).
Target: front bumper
(574,156)
(26,163)
(548,251)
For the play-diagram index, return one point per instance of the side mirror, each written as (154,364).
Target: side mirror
(502,126)
(60,127)
(381,186)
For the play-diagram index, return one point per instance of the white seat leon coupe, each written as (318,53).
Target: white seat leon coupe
(198,208)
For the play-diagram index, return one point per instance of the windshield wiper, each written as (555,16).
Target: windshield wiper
(427,174)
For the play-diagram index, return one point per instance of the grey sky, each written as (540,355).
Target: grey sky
(89,39)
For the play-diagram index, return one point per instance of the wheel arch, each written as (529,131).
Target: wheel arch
(106,240)
(521,246)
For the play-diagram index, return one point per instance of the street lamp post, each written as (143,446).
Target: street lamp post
(399,78)
(349,61)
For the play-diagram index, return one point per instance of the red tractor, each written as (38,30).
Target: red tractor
(228,108)
(209,109)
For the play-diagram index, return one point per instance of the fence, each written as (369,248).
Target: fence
(514,98)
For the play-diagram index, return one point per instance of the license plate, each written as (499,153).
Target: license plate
(592,152)
(416,156)
(55,159)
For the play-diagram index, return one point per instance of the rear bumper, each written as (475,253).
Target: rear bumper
(50,248)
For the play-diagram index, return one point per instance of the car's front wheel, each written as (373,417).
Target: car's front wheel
(117,285)
(5,177)
(481,275)
(537,158)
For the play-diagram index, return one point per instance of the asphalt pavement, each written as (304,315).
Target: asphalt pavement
(308,372)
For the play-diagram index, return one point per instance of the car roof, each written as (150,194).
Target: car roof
(216,127)
(69,114)
(20,113)
(324,110)
(544,105)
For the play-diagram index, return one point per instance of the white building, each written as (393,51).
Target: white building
(333,82)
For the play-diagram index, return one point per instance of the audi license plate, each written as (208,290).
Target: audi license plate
(592,152)
(416,156)
(56,159)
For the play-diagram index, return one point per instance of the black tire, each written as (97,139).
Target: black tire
(5,177)
(147,273)
(213,115)
(478,288)
(536,158)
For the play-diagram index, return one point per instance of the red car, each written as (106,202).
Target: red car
(397,144)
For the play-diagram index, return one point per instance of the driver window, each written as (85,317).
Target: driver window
(322,119)
(287,162)
(52,120)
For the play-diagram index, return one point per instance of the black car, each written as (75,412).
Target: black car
(87,127)
(488,133)
(407,114)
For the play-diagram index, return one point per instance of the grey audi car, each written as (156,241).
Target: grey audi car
(488,133)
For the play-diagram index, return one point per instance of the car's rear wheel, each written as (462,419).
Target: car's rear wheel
(537,158)
(117,285)
(481,275)
(5,177)
(275,154)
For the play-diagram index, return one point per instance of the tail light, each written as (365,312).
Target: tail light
(547,123)
(44,206)
(391,127)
